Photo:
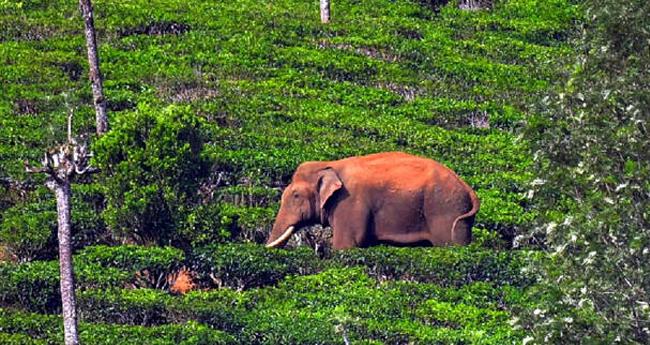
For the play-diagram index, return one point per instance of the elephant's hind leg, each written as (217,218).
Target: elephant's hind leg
(440,232)
(462,234)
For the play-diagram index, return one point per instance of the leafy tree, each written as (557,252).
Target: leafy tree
(593,191)
(153,164)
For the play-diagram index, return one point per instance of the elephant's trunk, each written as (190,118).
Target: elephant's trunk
(283,238)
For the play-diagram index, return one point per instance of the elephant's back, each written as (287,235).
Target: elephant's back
(394,170)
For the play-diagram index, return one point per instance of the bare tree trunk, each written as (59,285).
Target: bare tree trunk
(473,5)
(94,72)
(61,164)
(62,192)
(325,11)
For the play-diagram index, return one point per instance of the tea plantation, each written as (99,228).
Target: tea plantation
(212,105)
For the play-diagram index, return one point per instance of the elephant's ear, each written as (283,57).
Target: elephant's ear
(328,183)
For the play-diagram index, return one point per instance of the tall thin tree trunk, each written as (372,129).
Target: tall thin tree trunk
(325,11)
(62,192)
(61,164)
(94,72)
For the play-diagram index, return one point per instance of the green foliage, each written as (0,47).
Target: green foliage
(593,170)
(222,308)
(245,265)
(19,339)
(249,265)
(149,266)
(488,239)
(132,307)
(153,163)
(310,309)
(444,266)
(35,285)
(133,258)
(29,228)
(347,302)
(48,329)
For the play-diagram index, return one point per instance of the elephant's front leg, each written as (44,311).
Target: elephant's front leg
(350,226)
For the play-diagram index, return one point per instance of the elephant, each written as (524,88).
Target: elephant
(390,198)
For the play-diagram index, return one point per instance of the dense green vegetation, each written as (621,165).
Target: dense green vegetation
(212,106)
(593,162)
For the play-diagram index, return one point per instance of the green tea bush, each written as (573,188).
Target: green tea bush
(346,302)
(132,257)
(29,228)
(445,266)
(145,307)
(19,339)
(488,239)
(249,265)
(35,285)
(223,308)
(150,266)
(48,329)
(153,162)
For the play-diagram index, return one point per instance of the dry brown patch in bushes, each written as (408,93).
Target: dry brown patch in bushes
(182,281)
(6,256)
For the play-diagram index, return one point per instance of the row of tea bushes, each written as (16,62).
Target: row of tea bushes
(312,309)
(35,285)
(243,266)
(22,328)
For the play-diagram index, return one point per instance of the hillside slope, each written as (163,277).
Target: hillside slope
(213,105)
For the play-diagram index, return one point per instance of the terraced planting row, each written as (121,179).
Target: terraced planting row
(249,294)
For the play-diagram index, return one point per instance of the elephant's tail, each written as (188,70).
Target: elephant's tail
(476,204)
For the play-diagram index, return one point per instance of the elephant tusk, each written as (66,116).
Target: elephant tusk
(285,236)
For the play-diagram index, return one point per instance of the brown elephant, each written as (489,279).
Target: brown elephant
(393,197)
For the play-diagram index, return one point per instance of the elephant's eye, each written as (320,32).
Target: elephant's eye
(295,195)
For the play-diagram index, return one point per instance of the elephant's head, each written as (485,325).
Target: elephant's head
(304,201)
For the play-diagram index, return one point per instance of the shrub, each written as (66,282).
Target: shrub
(248,265)
(143,307)
(592,164)
(48,329)
(28,228)
(347,302)
(223,309)
(35,285)
(453,266)
(19,339)
(153,164)
(149,266)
